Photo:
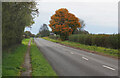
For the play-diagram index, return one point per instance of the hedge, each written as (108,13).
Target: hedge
(103,40)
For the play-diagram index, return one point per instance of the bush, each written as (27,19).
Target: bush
(54,37)
(103,40)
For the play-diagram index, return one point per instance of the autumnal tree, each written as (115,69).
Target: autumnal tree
(64,23)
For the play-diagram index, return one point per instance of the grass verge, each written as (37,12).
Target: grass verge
(106,51)
(13,59)
(40,66)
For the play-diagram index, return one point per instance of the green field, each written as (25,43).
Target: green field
(13,59)
(102,50)
(40,66)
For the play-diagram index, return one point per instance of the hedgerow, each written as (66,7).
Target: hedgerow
(103,40)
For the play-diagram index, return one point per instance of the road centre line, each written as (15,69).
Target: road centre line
(108,67)
(102,65)
(85,58)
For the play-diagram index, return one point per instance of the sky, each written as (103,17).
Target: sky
(100,16)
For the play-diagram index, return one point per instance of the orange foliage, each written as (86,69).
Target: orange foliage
(64,23)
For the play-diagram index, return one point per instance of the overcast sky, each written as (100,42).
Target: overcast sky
(100,16)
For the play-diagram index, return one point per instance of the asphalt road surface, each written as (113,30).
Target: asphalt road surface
(67,61)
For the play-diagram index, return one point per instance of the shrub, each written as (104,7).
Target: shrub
(54,37)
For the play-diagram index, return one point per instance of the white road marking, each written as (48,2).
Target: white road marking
(84,58)
(72,53)
(108,67)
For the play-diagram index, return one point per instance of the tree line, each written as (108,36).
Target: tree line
(15,17)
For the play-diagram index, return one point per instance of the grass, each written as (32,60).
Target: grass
(107,51)
(40,66)
(13,59)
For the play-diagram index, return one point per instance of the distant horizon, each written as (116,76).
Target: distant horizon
(100,18)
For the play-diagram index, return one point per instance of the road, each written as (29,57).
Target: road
(67,61)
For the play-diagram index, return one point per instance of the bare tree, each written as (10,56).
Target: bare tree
(82,24)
